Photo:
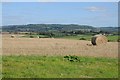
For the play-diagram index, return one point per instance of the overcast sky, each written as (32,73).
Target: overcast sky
(97,14)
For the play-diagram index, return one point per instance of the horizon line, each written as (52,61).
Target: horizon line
(58,24)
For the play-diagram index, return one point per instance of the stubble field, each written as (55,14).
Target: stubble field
(50,47)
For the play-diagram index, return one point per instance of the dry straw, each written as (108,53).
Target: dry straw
(12,36)
(99,39)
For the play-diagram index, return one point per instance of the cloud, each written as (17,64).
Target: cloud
(93,8)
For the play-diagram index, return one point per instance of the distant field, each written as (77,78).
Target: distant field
(87,37)
(111,38)
(59,67)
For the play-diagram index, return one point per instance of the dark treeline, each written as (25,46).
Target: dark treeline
(45,27)
(59,29)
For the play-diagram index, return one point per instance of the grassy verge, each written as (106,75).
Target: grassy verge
(59,67)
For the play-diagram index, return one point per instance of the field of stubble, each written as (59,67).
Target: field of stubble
(56,47)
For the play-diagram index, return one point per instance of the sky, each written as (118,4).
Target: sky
(97,14)
(60,0)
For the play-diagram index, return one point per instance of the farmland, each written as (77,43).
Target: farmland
(111,38)
(59,39)
(25,57)
(53,46)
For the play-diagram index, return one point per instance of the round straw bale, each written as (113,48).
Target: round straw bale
(12,36)
(99,39)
